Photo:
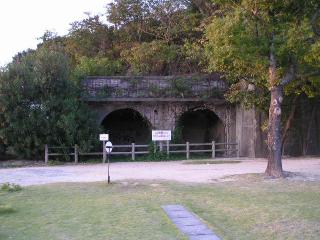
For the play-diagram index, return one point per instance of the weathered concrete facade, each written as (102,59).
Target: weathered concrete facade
(163,109)
(251,139)
(164,115)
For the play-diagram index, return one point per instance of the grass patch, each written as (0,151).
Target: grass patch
(243,209)
(211,162)
(5,209)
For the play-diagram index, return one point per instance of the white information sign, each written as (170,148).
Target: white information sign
(161,135)
(108,147)
(104,137)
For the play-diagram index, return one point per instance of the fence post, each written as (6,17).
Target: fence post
(46,154)
(104,152)
(188,150)
(213,149)
(168,150)
(133,151)
(161,146)
(76,154)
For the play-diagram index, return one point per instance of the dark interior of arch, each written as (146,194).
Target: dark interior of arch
(126,126)
(201,126)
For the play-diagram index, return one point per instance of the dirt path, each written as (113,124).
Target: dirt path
(175,171)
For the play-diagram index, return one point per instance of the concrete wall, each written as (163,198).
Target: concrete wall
(164,107)
(164,115)
(251,138)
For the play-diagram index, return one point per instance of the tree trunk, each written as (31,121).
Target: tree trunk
(274,168)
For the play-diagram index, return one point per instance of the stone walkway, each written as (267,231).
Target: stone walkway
(188,223)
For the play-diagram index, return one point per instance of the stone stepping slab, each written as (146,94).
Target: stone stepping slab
(188,223)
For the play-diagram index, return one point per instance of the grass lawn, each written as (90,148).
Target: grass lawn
(250,208)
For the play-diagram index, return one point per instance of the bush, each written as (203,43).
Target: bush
(41,105)
(155,154)
(10,187)
(97,67)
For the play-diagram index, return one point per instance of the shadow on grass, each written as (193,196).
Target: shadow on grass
(6,209)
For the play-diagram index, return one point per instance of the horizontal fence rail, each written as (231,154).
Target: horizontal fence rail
(139,149)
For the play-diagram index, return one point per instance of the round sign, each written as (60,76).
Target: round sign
(108,147)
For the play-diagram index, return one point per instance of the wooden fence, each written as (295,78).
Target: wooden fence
(139,149)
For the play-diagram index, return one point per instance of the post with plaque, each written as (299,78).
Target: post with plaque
(108,150)
(104,138)
(162,136)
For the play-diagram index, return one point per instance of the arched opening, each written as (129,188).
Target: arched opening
(126,126)
(200,126)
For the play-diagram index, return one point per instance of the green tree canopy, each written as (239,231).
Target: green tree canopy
(41,105)
(265,47)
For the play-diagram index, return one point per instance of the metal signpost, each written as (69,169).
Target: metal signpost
(108,151)
(104,138)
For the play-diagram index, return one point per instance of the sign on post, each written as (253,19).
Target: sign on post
(104,137)
(161,135)
(108,147)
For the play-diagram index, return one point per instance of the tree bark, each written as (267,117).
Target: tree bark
(274,168)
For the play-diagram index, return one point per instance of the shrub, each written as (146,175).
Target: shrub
(155,154)
(10,187)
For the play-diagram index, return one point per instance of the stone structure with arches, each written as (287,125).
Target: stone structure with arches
(130,107)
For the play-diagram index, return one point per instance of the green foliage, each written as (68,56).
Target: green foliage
(90,38)
(155,153)
(150,58)
(168,20)
(141,37)
(194,56)
(105,92)
(10,187)
(177,134)
(181,87)
(155,91)
(241,35)
(40,105)
(97,67)
(247,95)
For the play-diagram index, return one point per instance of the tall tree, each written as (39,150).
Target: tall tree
(89,37)
(39,105)
(169,21)
(266,45)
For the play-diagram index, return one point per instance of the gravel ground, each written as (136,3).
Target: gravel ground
(308,168)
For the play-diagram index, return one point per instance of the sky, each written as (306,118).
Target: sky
(22,22)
